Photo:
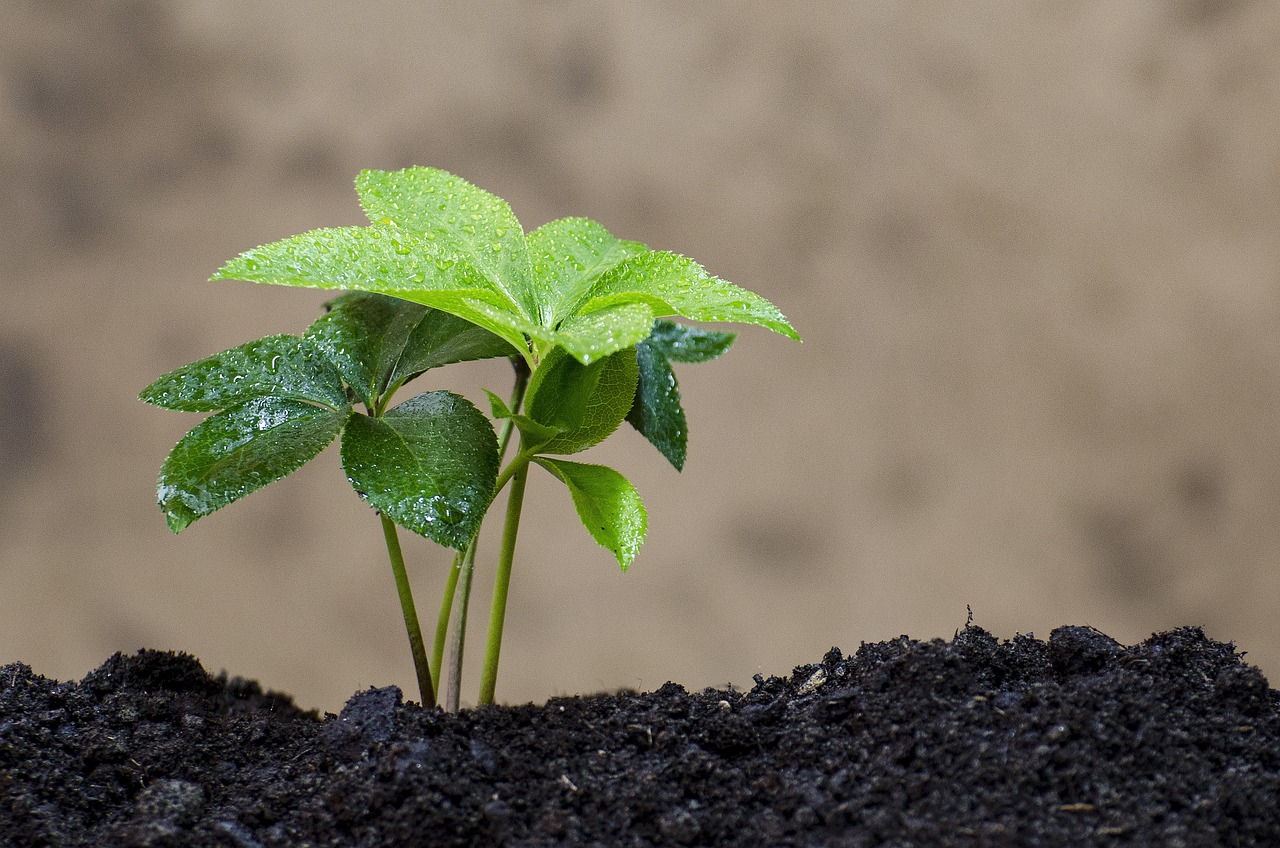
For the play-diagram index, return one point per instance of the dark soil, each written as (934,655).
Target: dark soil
(1076,741)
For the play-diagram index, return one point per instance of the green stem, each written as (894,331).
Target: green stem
(502,580)
(468,570)
(416,645)
(442,620)
(461,591)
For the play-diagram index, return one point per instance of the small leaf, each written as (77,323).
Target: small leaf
(656,412)
(560,389)
(435,205)
(676,285)
(688,344)
(429,464)
(276,366)
(240,450)
(588,401)
(498,406)
(569,256)
(609,506)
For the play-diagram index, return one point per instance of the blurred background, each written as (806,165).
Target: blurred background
(1033,249)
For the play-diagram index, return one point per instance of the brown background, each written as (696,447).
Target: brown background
(1033,250)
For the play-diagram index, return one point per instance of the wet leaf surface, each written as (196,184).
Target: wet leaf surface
(429,464)
(238,451)
(608,505)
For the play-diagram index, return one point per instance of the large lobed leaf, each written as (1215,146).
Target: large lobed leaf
(440,241)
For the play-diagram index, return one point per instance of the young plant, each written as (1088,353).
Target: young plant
(444,274)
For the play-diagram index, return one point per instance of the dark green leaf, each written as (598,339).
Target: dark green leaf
(657,412)
(443,339)
(429,464)
(609,506)
(688,344)
(240,450)
(276,366)
(364,335)
(379,342)
(587,401)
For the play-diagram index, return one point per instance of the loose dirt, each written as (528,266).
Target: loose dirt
(1076,741)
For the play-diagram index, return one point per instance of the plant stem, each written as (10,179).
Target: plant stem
(466,572)
(416,645)
(442,620)
(462,593)
(502,580)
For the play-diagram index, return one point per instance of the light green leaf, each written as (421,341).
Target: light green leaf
(603,332)
(429,464)
(609,506)
(240,450)
(676,285)
(587,401)
(569,256)
(385,260)
(277,366)
(439,207)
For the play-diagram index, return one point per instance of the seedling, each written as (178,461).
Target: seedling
(444,273)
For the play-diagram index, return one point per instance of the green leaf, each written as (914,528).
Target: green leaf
(444,339)
(386,260)
(656,412)
(676,285)
(240,450)
(277,366)
(560,389)
(429,464)
(437,240)
(603,332)
(437,206)
(380,342)
(609,506)
(688,344)
(587,401)
(364,335)
(569,256)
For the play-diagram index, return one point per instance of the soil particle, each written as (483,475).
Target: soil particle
(1077,741)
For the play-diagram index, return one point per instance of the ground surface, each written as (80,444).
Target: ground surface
(1076,741)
